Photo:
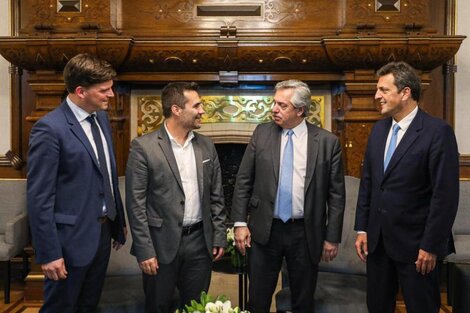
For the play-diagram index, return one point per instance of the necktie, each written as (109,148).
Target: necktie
(108,194)
(284,204)
(392,145)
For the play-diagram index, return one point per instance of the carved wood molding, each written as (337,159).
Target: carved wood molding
(36,54)
(327,54)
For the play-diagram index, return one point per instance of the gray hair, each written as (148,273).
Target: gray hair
(301,96)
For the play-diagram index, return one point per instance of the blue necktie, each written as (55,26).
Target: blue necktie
(284,203)
(392,145)
(108,194)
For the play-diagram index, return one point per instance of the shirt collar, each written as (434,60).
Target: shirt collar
(79,113)
(406,121)
(298,130)
(173,140)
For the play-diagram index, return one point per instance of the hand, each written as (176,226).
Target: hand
(361,246)
(217,252)
(242,238)
(116,244)
(55,270)
(330,251)
(149,266)
(426,262)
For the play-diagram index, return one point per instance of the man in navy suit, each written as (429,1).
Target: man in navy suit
(408,197)
(74,203)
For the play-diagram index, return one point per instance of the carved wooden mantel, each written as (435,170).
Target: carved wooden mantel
(147,60)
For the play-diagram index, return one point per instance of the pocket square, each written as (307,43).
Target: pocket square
(205,161)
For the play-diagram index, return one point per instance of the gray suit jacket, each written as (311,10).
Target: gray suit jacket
(155,196)
(257,180)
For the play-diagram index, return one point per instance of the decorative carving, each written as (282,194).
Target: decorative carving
(149,114)
(422,53)
(387,5)
(223,109)
(68,16)
(182,59)
(181,11)
(292,59)
(16,162)
(364,12)
(278,11)
(69,5)
(44,54)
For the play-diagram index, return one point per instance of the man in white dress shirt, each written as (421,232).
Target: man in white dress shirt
(175,202)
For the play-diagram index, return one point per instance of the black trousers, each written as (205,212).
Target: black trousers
(420,292)
(264,263)
(190,272)
(80,292)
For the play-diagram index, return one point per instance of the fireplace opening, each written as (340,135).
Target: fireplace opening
(230,157)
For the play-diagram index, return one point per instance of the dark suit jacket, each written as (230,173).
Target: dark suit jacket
(65,189)
(413,204)
(155,196)
(257,180)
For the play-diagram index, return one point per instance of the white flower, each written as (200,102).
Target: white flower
(230,235)
(220,305)
(211,307)
(227,306)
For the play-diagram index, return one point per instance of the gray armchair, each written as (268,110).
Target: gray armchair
(14,233)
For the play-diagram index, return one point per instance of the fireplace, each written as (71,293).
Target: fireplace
(231,116)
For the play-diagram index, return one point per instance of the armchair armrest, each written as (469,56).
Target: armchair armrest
(16,232)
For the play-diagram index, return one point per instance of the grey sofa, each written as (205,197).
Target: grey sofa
(14,233)
(341,285)
(458,264)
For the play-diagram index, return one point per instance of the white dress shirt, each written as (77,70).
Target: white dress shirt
(81,116)
(186,161)
(404,124)
(300,142)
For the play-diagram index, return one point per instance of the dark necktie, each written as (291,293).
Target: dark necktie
(284,204)
(108,194)
(392,145)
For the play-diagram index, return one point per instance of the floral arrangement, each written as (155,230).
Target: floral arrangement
(208,305)
(236,258)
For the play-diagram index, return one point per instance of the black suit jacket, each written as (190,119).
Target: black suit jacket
(414,203)
(257,180)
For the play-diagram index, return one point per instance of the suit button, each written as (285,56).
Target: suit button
(180,224)
(182,202)
(101,193)
(381,189)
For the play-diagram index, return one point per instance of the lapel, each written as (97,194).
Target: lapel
(411,135)
(77,130)
(312,154)
(199,166)
(165,145)
(276,150)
